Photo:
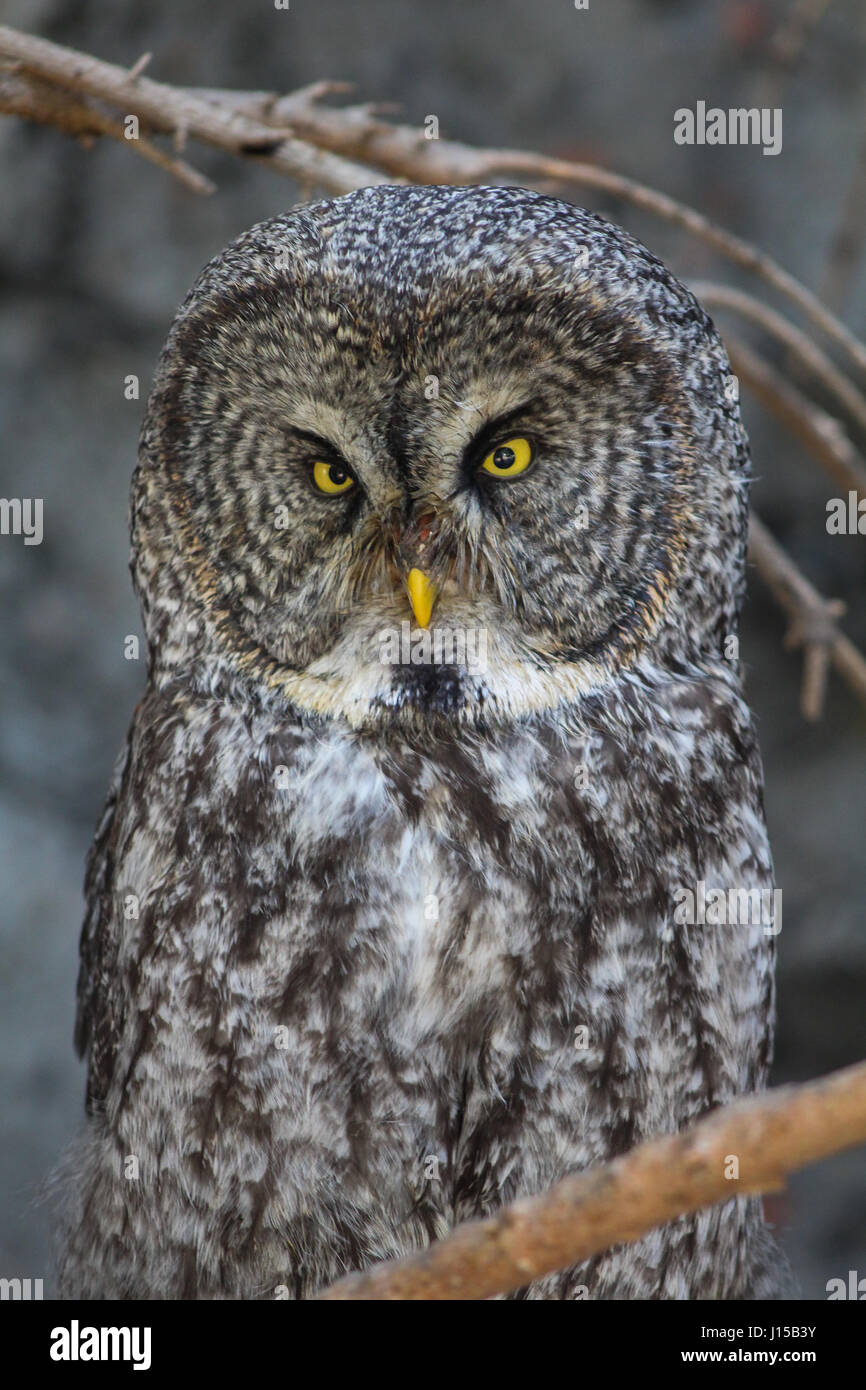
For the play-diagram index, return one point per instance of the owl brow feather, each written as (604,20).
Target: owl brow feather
(495,428)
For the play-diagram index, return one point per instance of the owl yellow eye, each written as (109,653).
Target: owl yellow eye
(508,459)
(332,477)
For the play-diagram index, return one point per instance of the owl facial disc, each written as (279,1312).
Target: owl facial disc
(336,448)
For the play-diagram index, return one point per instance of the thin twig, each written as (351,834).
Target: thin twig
(169,109)
(323,146)
(813,622)
(138,67)
(821,433)
(82,118)
(770,1136)
(404,152)
(813,617)
(803,349)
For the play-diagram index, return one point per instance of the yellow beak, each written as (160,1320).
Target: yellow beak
(422,596)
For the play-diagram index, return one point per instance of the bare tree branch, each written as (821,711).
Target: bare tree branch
(803,349)
(404,152)
(813,621)
(821,433)
(770,1136)
(35,100)
(322,146)
(170,110)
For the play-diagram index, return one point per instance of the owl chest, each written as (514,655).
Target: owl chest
(402,889)
(455,929)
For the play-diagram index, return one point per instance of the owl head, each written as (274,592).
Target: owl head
(438,454)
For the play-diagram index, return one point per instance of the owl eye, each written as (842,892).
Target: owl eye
(332,477)
(509,459)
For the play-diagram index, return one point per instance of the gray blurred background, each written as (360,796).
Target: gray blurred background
(96,250)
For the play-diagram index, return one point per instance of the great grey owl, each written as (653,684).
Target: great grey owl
(438,531)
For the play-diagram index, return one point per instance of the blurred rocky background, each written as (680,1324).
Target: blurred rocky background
(96,250)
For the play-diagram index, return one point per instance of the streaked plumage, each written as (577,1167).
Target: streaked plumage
(377,903)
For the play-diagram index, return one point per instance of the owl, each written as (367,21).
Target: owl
(438,530)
